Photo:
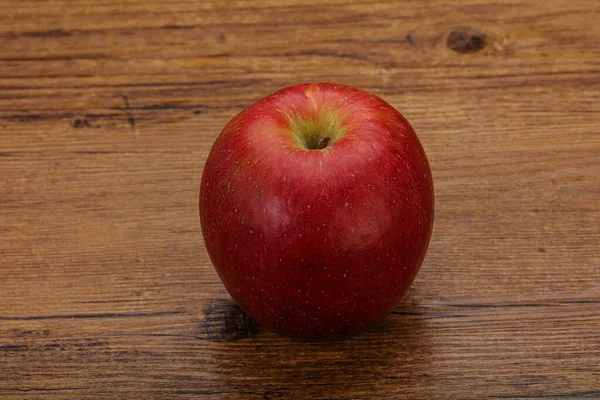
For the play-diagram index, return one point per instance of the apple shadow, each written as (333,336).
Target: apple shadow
(391,358)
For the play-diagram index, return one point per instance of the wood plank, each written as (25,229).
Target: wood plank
(107,113)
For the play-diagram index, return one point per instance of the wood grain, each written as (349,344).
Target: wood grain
(107,112)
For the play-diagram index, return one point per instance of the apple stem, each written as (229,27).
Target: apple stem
(323,142)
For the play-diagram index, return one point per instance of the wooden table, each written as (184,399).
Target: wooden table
(108,109)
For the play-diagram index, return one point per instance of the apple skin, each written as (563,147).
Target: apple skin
(317,243)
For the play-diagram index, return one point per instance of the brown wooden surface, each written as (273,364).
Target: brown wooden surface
(108,109)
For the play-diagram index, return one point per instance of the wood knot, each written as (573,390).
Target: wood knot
(227,323)
(466,41)
(78,123)
(84,123)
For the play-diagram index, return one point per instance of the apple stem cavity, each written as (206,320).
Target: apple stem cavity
(317,132)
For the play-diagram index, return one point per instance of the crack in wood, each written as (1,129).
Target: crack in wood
(89,316)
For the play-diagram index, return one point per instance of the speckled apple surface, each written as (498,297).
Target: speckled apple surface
(317,205)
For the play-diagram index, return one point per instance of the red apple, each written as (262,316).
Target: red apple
(316,206)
